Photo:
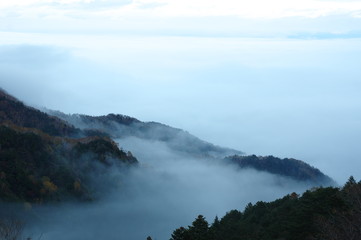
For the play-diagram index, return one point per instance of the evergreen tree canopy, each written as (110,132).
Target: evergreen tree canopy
(318,214)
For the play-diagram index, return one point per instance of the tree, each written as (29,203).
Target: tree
(215,223)
(214,230)
(180,234)
(345,223)
(199,229)
(351,182)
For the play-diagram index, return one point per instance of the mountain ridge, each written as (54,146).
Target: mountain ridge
(37,167)
(43,158)
(288,167)
(120,126)
(117,125)
(76,136)
(14,111)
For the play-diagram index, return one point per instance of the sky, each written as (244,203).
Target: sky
(277,77)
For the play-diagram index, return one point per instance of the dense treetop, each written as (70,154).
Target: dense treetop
(43,158)
(320,213)
(38,167)
(287,167)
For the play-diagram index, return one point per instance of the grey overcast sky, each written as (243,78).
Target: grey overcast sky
(279,77)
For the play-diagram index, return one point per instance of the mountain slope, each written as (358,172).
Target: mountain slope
(121,126)
(287,167)
(15,112)
(36,167)
(321,213)
(115,126)
(43,159)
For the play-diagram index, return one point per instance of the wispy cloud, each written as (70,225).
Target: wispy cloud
(236,18)
(191,8)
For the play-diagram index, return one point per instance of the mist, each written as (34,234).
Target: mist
(279,78)
(265,98)
(166,191)
(283,97)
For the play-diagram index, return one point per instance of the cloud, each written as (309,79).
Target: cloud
(257,9)
(145,22)
(34,73)
(167,191)
(229,18)
(36,55)
(199,8)
(289,98)
(109,13)
(90,5)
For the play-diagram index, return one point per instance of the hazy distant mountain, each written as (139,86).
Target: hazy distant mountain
(15,112)
(37,163)
(288,167)
(47,156)
(120,126)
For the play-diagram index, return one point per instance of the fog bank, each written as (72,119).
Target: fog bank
(286,97)
(168,190)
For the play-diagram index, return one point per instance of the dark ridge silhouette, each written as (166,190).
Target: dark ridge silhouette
(22,119)
(16,112)
(121,126)
(43,159)
(37,167)
(288,167)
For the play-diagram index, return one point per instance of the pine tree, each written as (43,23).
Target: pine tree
(214,230)
(199,229)
(180,234)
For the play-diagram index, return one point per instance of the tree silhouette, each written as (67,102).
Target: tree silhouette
(180,234)
(345,224)
(199,229)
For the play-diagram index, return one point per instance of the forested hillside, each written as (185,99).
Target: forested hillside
(318,214)
(15,112)
(36,167)
(33,141)
(287,167)
(121,126)
(43,158)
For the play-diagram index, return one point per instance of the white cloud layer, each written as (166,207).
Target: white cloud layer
(289,98)
(186,8)
(158,51)
(236,18)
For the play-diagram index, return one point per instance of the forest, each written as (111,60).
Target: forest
(47,160)
(319,213)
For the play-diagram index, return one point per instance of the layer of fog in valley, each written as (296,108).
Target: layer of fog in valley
(280,78)
(286,97)
(166,191)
